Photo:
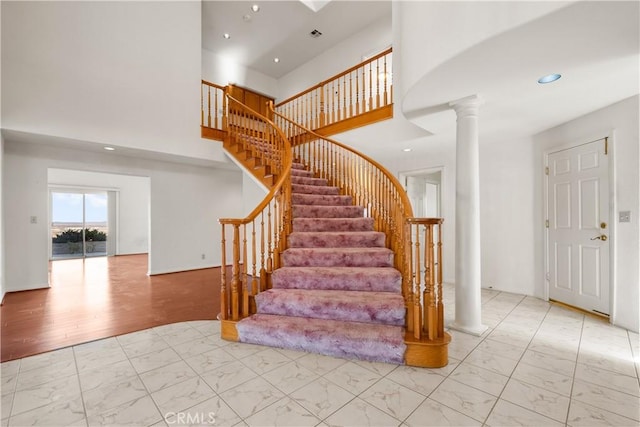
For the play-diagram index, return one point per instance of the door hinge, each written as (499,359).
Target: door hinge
(546,170)
(606,146)
(546,223)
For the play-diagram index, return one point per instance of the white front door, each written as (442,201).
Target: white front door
(578,206)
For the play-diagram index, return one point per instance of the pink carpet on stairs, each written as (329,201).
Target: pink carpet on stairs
(337,292)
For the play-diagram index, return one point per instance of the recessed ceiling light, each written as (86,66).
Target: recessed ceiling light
(549,78)
(226,35)
(276,60)
(255,8)
(109,148)
(406,149)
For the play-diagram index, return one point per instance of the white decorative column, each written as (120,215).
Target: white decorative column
(468,273)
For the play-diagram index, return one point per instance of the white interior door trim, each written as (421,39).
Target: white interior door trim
(611,141)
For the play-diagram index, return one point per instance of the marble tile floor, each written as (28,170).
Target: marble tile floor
(538,364)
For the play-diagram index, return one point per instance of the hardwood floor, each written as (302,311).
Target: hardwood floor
(102,297)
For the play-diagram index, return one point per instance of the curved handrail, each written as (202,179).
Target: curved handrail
(288,160)
(337,76)
(259,237)
(405,199)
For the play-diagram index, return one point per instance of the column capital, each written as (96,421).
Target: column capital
(467,106)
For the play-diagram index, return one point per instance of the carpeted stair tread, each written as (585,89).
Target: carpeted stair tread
(336,239)
(321,199)
(354,340)
(332,224)
(297,165)
(314,189)
(380,279)
(313,211)
(337,257)
(308,180)
(301,172)
(349,306)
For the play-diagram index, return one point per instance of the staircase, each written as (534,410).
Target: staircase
(330,261)
(337,292)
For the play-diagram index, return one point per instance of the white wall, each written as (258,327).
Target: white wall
(185,204)
(622,119)
(2,264)
(132,209)
(372,39)
(222,71)
(117,73)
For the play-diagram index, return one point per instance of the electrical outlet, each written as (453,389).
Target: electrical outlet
(624,216)
(33,219)
(203,256)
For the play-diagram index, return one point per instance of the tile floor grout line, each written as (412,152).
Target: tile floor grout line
(84,407)
(575,369)
(162,417)
(519,360)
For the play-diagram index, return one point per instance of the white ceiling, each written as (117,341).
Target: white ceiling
(594,45)
(281,29)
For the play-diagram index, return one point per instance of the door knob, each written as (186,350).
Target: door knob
(601,237)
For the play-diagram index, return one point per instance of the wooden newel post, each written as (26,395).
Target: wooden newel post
(224,307)
(235,273)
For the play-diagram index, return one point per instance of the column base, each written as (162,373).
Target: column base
(472,330)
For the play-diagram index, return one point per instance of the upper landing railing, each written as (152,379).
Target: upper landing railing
(363,90)
(361,95)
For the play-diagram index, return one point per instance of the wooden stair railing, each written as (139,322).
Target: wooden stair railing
(384,199)
(361,95)
(257,240)
(213,110)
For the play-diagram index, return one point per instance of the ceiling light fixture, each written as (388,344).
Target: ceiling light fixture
(276,60)
(255,8)
(549,78)
(226,36)
(406,149)
(109,148)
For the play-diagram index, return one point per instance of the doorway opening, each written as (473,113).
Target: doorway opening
(79,226)
(424,189)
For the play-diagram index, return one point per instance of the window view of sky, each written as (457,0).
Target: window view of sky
(67,207)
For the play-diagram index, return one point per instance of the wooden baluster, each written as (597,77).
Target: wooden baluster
(378,83)
(386,77)
(322,107)
(224,113)
(215,111)
(235,272)
(245,278)
(224,307)
(254,271)
(357,95)
(201,105)
(278,230)
(209,106)
(430,303)
(269,244)
(417,312)
(407,290)
(263,271)
(344,97)
(370,88)
(440,301)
